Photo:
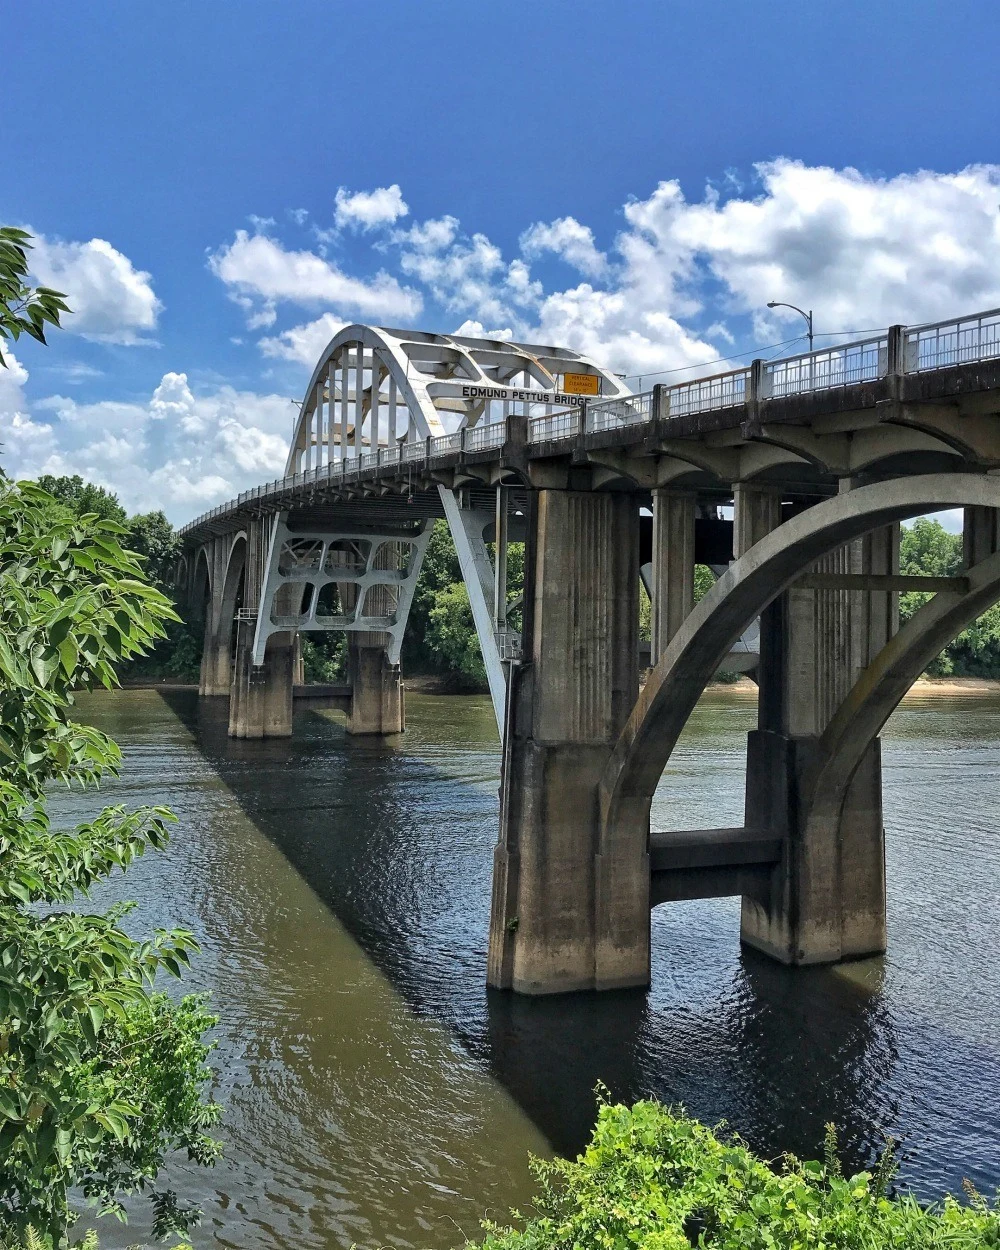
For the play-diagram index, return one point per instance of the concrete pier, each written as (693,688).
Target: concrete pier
(260,702)
(566,709)
(377,704)
(825,900)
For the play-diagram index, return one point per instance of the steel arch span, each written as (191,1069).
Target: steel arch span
(379,395)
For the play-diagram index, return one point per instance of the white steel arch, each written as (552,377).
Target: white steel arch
(377,390)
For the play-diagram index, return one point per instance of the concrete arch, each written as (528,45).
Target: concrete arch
(235,570)
(741,594)
(869,704)
(201,586)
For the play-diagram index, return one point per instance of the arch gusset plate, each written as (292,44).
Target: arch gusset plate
(349,580)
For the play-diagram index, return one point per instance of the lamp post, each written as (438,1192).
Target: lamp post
(807,315)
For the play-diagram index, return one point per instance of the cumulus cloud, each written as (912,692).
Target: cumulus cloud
(177,450)
(366,210)
(303,343)
(112,301)
(861,251)
(260,273)
(567,238)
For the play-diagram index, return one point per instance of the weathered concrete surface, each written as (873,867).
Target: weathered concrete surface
(377,701)
(673,565)
(260,704)
(565,712)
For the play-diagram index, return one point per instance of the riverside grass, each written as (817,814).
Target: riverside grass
(653,1178)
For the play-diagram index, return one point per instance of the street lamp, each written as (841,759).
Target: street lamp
(807,315)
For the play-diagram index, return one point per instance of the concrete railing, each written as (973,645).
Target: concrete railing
(901,350)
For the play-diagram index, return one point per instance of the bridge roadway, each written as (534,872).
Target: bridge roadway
(789,478)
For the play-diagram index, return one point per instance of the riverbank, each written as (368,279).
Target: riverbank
(436,683)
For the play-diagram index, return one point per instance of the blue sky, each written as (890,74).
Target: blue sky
(219,186)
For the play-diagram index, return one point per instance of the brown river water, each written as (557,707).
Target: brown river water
(377,1094)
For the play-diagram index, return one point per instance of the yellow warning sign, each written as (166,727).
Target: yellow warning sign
(581,384)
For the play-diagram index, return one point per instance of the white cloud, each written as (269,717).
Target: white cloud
(179,450)
(860,251)
(303,343)
(365,210)
(112,301)
(476,330)
(257,268)
(567,238)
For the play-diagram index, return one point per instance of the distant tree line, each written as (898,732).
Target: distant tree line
(441,635)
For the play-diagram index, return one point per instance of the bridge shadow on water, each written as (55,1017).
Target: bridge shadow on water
(399,848)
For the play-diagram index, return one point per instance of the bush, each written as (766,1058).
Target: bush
(653,1178)
(100,1078)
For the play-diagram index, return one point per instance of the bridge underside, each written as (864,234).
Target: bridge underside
(793,497)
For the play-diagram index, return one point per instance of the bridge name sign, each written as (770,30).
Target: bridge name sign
(514,395)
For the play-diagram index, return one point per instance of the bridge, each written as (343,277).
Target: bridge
(789,478)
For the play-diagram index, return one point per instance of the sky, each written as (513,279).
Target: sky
(219,187)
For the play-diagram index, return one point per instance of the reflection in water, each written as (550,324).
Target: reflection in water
(341,890)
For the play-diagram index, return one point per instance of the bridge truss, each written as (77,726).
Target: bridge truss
(381,397)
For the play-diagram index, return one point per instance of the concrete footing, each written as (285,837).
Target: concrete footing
(377,702)
(260,702)
(825,899)
(215,676)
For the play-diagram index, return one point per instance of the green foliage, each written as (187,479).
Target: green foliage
(926,548)
(451,633)
(84,497)
(99,1076)
(440,634)
(23,309)
(654,1179)
(151,536)
(324,657)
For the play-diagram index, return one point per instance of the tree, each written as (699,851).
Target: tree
(84,497)
(23,309)
(99,1076)
(152,536)
(652,1179)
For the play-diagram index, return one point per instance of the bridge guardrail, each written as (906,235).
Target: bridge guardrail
(946,343)
(721,390)
(485,437)
(918,349)
(830,368)
(613,414)
(555,425)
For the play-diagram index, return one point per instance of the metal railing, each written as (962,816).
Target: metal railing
(722,390)
(612,414)
(947,343)
(445,443)
(828,369)
(485,437)
(416,450)
(913,349)
(554,426)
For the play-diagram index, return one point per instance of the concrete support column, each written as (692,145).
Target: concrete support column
(568,702)
(673,565)
(215,676)
(980,534)
(377,705)
(826,900)
(260,704)
(377,689)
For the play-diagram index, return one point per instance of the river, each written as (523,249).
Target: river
(377,1094)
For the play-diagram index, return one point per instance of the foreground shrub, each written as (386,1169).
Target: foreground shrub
(652,1178)
(100,1077)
